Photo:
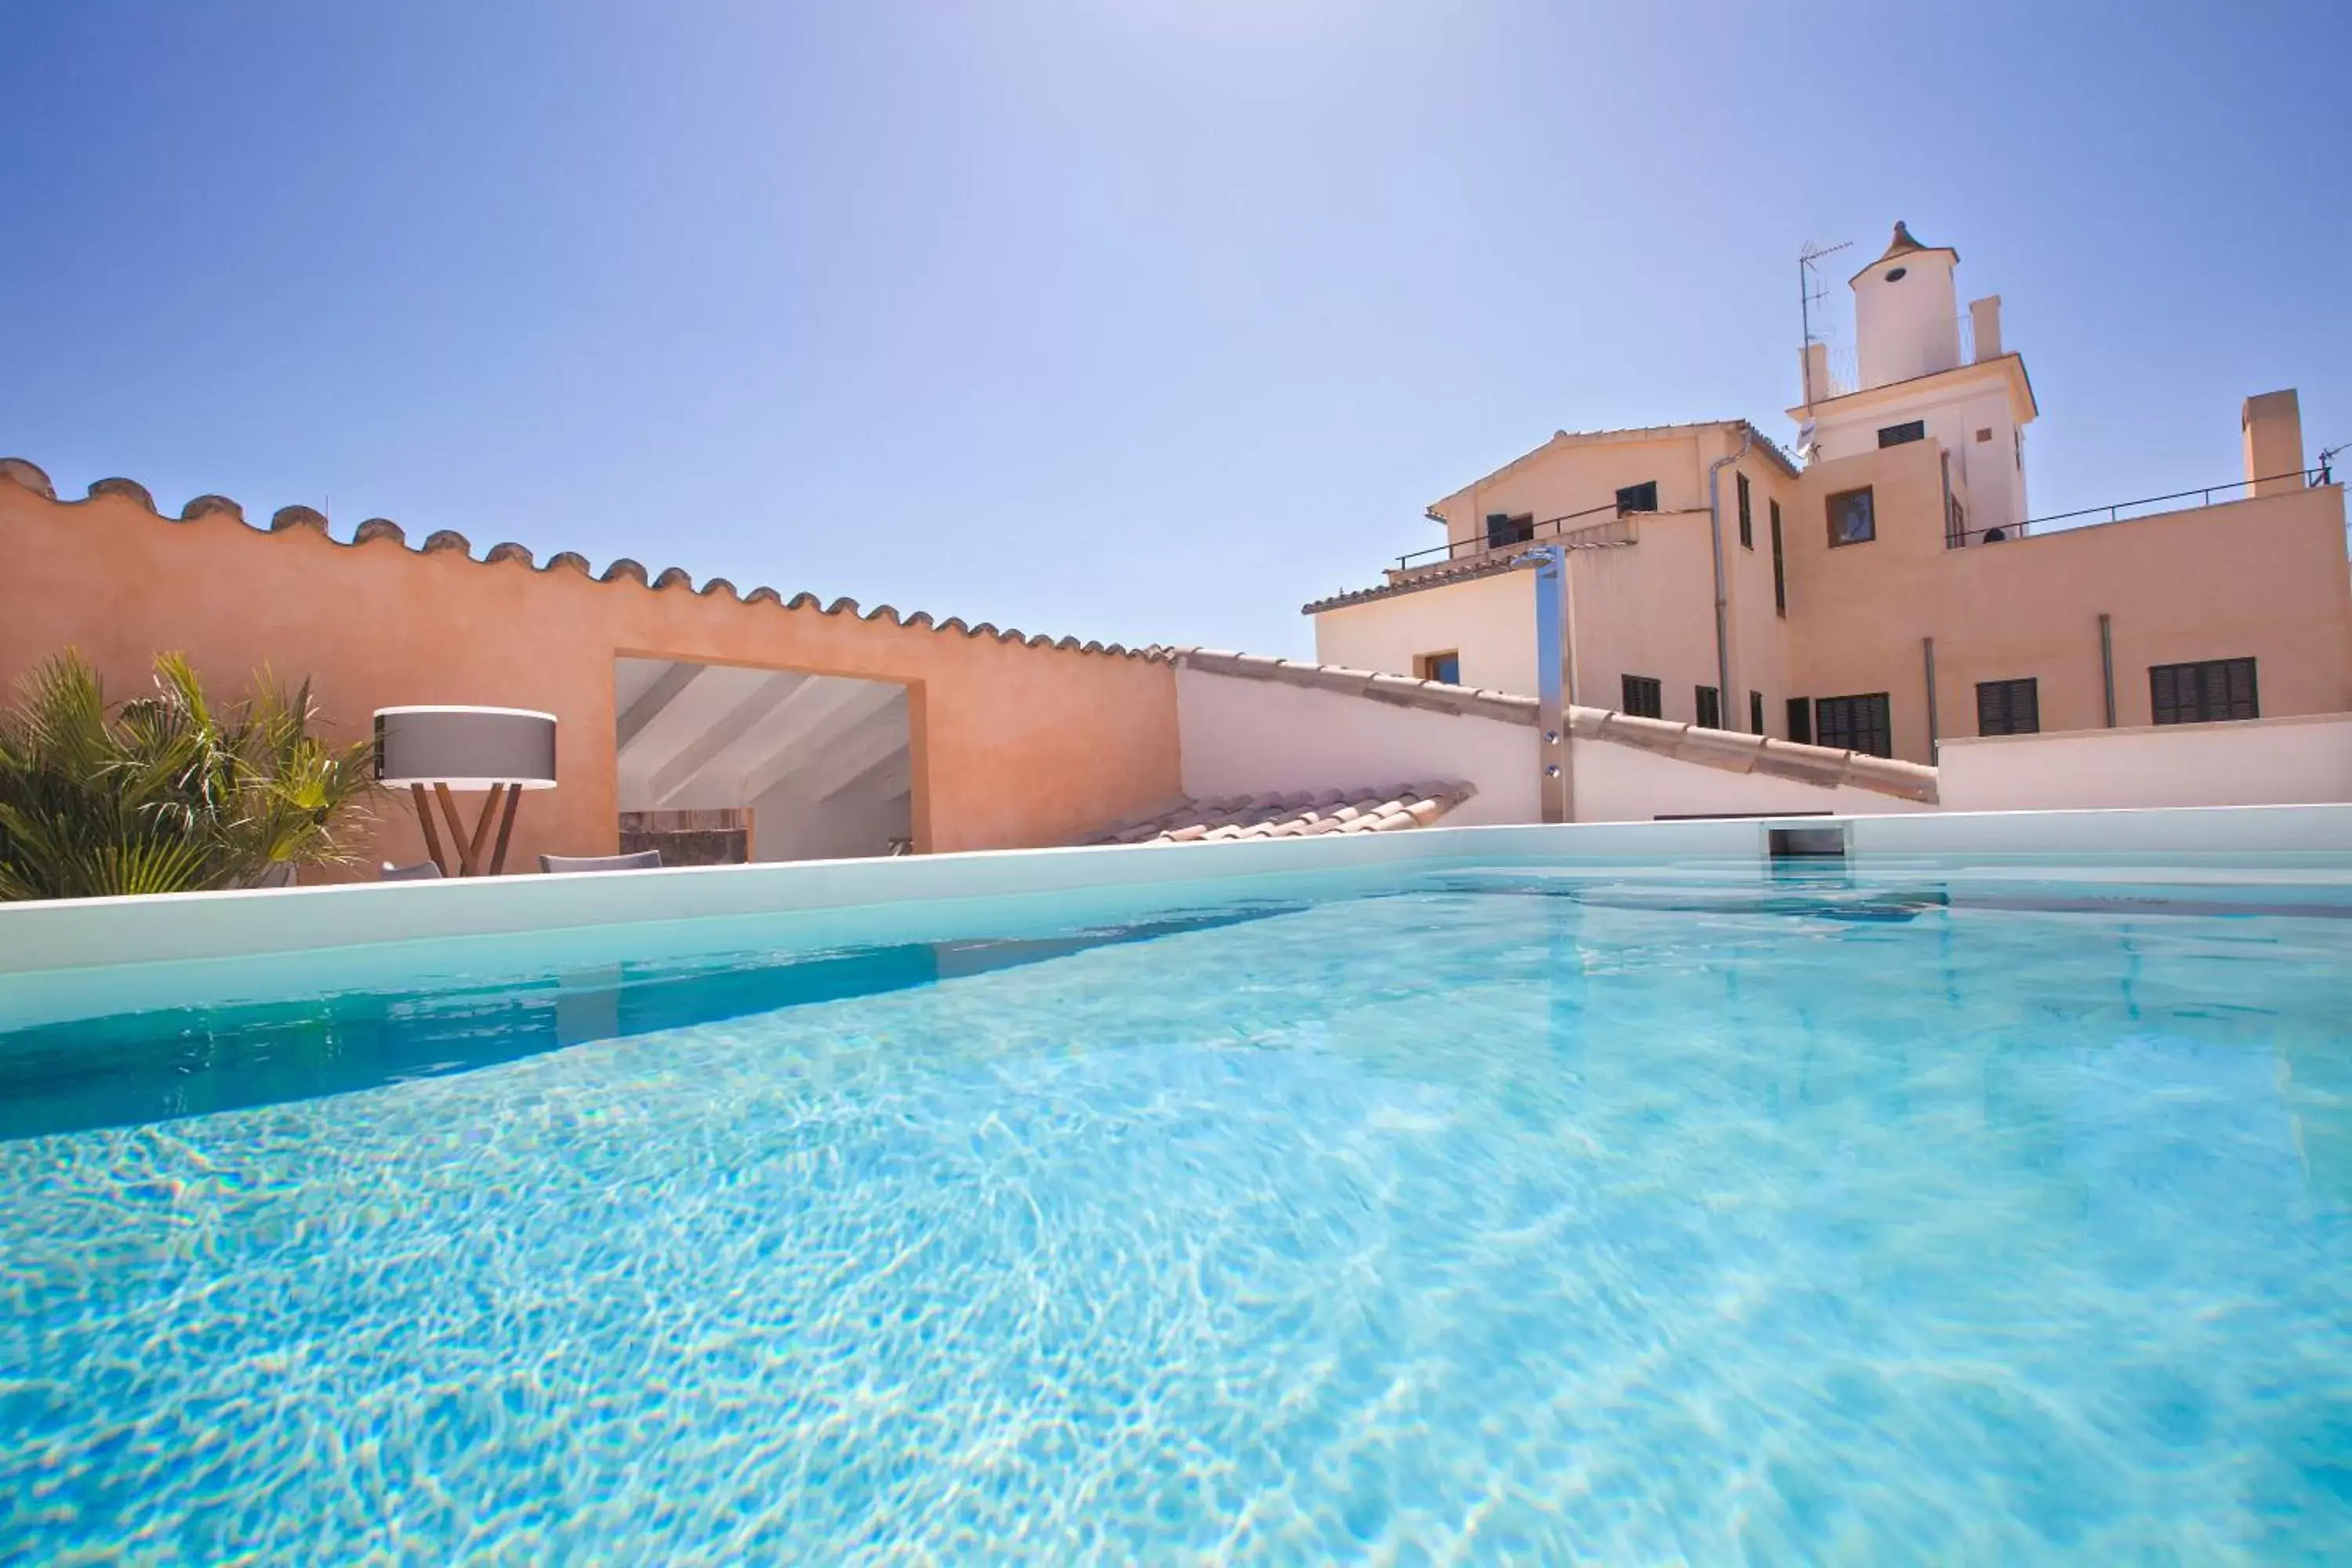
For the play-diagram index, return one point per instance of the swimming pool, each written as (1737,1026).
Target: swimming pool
(1520,1211)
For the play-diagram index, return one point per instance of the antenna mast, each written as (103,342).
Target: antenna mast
(1808,289)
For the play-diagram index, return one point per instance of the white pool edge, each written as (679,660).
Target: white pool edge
(94,933)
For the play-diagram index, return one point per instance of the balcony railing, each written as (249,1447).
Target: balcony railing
(1565,529)
(2113,512)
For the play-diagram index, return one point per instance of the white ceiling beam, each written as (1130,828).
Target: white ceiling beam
(848,705)
(666,689)
(673,776)
(853,756)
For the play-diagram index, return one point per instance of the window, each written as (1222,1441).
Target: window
(1984,431)
(1895,274)
(1440,667)
(1900,434)
(1746,526)
(1855,724)
(1710,708)
(1801,720)
(2009,708)
(1503,529)
(1852,519)
(1755,712)
(1643,697)
(1642,497)
(1779,572)
(1955,523)
(2203,693)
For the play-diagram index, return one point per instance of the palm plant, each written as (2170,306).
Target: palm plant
(164,795)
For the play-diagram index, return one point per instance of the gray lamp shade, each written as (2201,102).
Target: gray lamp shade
(465,748)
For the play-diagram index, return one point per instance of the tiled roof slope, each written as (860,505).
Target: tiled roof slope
(1724,749)
(302,518)
(1298,816)
(1435,577)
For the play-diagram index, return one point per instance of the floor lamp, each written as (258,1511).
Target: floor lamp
(503,750)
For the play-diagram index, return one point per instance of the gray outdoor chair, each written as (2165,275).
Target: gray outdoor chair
(643,860)
(422,871)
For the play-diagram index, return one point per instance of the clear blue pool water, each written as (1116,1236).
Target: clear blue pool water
(1504,1216)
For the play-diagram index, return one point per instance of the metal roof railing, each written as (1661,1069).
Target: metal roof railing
(2114,511)
(1550,528)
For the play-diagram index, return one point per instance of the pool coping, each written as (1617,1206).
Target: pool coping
(82,935)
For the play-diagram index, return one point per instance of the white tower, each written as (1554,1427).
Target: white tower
(1906,312)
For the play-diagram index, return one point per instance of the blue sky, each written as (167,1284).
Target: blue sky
(1144,320)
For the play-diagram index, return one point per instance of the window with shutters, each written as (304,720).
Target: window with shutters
(1862,723)
(1780,569)
(2203,693)
(1901,435)
(1710,708)
(1644,697)
(1755,712)
(1746,524)
(1853,517)
(1642,497)
(1503,528)
(2008,707)
(1801,720)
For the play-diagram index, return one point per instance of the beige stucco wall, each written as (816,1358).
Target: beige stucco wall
(2262,578)
(1644,609)
(1490,621)
(2304,760)
(1572,475)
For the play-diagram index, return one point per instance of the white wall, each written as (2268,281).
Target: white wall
(1490,621)
(1623,783)
(1254,737)
(2294,761)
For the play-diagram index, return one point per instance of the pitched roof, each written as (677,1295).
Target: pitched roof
(1434,577)
(1903,244)
(1565,438)
(1301,815)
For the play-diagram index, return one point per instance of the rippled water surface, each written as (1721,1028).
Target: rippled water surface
(1501,1218)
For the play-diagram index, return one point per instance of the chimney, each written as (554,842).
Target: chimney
(1817,374)
(1984,322)
(2272,424)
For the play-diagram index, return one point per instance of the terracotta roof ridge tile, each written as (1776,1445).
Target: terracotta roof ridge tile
(30,476)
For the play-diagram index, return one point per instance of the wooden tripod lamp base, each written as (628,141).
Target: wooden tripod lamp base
(502,751)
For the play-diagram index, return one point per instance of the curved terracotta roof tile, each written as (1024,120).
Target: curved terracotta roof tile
(204,507)
(28,475)
(130,489)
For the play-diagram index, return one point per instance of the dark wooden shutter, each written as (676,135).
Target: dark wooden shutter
(1801,720)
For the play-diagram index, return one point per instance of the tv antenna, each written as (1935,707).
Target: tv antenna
(1809,293)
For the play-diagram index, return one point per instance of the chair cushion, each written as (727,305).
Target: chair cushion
(644,859)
